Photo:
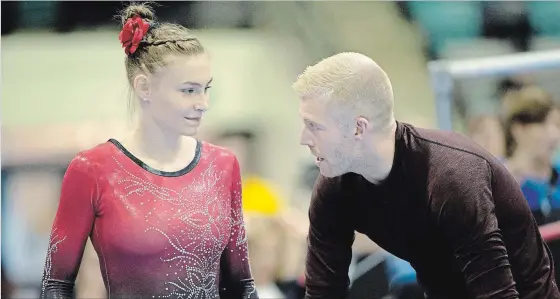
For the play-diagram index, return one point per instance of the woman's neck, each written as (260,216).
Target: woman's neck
(154,143)
(526,164)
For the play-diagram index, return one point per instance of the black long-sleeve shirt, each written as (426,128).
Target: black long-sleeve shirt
(448,207)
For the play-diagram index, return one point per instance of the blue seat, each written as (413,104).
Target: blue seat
(38,14)
(399,272)
(445,21)
(544,17)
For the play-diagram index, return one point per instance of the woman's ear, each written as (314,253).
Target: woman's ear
(141,86)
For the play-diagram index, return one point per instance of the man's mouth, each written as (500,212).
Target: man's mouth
(320,159)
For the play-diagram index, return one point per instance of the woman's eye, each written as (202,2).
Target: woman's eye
(189,90)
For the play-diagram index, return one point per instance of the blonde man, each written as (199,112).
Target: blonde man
(430,197)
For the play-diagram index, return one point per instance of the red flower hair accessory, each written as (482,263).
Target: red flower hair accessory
(132,34)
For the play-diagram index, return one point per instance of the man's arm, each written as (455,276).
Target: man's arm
(464,208)
(329,241)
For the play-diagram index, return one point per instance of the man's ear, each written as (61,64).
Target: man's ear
(362,125)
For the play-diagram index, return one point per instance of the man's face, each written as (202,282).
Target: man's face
(324,134)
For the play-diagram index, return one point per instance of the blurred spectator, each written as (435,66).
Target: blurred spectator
(259,195)
(244,144)
(507,20)
(30,199)
(532,123)
(6,286)
(71,14)
(264,205)
(10,16)
(28,210)
(487,131)
(265,237)
(509,84)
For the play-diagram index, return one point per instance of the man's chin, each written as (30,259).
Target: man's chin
(329,173)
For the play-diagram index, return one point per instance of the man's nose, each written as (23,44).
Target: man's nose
(305,139)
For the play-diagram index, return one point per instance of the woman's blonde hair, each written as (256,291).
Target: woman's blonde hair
(529,105)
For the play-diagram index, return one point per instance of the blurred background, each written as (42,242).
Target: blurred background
(64,89)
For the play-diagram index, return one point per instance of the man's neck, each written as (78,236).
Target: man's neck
(377,162)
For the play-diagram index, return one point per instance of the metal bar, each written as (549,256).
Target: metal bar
(443,72)
(442,83)
(498,65)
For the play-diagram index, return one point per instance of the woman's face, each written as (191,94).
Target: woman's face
(539,139)
(178,93)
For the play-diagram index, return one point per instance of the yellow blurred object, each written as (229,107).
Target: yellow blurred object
(260,197)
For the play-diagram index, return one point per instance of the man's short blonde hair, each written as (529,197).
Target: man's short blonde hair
(353,81)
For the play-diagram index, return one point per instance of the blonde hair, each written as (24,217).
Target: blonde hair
(353,81)
(160,41)
(164,39)
(528,105)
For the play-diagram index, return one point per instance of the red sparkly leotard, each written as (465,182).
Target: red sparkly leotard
(157,234)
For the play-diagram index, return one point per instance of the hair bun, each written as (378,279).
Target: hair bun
(142,10)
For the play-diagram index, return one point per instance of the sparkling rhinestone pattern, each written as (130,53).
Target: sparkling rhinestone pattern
(158,236)
(54,242)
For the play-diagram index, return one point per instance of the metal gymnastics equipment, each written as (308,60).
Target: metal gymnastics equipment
(444,72)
